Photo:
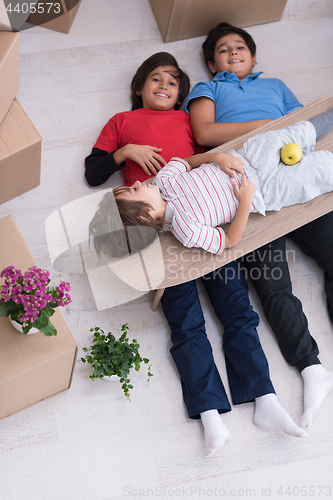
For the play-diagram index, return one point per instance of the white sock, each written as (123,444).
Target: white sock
(269,413)
(318,382)
(216,433)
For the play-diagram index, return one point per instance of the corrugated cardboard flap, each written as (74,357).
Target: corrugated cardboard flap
(20,154)
(9,70)
(17,131)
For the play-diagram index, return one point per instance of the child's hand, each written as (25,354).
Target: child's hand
(146,156)
(229,163)
(246,191)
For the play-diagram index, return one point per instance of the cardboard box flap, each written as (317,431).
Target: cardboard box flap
(3,149)
(58,20)
(9,70)
(12,136)
(14,246)
(4,19)
(16,131)
(20,154)
(24,122)
(7,41)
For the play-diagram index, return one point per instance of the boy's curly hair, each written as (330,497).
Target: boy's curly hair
(122,227)
(153,62)
(223,29)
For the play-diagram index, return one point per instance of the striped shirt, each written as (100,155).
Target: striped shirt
(200,199)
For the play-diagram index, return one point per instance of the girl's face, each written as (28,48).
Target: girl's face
(161,89)
(147,193)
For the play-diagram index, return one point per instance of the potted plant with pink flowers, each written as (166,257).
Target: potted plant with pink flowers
(29,301)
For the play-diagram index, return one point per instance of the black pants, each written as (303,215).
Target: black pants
(268,269)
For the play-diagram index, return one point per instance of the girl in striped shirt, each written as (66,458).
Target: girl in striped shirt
(184,199)
(193,197)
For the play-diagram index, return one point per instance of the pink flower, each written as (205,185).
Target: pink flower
(30,292)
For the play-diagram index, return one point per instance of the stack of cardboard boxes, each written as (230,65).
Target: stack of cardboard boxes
(20,143)
(32,367)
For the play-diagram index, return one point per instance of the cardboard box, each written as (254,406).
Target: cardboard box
(56,21)
(20,154)
(180,19)
(13,15)
(32,367)
(9,70)
(4,19)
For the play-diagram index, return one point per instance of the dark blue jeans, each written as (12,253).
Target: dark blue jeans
(268,269)
(246,364)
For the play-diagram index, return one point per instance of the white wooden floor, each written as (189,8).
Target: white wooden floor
(89,442)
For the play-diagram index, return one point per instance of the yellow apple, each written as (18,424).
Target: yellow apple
(291,153)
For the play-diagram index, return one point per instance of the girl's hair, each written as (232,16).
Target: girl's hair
(153,62)
(224,29)
(120,227)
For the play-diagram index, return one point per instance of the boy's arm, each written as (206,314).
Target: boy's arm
(245,194)
(237,227)
(227,163)
(209,133)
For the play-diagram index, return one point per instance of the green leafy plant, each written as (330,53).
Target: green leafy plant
(109,356)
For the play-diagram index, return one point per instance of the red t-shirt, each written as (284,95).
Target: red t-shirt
(169,130)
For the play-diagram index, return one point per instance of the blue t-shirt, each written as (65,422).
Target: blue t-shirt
(251,99)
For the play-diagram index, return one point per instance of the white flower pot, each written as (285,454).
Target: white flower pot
(19,327)
(112,378)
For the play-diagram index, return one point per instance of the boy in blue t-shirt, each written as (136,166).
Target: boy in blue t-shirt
(235,102)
